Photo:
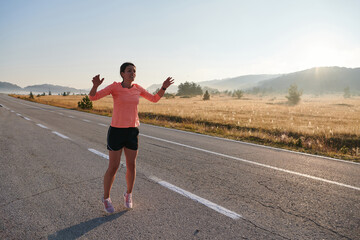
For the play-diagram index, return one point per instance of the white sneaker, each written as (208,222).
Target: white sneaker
(109,208)
(128,200)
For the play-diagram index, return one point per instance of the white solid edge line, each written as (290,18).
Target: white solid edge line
(198,199)
(60,135)
(256,163)
(40,125)
(256,145)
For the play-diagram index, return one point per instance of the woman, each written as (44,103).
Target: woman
(123,131)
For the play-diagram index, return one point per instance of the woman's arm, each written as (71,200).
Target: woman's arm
(93,91)
(165,85)
(155,98)
(94,94)
(96,83)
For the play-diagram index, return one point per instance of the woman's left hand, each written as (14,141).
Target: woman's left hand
(168,82)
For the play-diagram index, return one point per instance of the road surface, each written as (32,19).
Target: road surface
(188,186)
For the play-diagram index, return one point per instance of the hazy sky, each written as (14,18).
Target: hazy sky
(68,42)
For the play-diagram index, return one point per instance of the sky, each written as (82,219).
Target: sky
(67,42)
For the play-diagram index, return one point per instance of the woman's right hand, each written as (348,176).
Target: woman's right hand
(96,80)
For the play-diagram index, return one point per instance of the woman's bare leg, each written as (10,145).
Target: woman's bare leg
(114,162)
(130,168)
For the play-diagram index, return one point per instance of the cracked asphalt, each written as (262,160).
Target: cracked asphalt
(51,187)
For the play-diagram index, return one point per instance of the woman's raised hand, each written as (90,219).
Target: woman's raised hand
(96,80)
(168,82)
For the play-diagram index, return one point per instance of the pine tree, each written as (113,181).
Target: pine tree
(238,93)
(294,95)
(85,103)
(206,95)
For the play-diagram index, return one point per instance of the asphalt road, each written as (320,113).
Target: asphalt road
(188,186)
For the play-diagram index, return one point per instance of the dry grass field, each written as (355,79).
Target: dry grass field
(327,125)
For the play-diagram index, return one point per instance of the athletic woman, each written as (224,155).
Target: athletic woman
(123,131)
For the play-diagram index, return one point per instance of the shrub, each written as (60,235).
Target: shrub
(31,95)
(294,95)
(344,150)
(85,103)
(238,94)
(206,95)
(298,142)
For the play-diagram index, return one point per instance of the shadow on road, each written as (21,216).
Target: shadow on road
(80,229)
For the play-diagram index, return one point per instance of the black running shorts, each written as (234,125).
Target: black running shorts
(118,138)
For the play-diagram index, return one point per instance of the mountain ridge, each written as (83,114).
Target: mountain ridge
(317,80)
(7,87)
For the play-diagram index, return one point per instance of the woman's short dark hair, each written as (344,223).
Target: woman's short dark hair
(124,65)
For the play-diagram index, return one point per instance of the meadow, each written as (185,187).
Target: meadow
(326,125)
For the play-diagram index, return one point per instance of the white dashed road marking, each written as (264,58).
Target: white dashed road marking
(183,192)
(103,155)
(40,125)
(99,153)
(60,135)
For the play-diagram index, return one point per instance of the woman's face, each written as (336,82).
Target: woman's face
(129,74)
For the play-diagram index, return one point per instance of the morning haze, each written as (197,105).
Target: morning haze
(258,137)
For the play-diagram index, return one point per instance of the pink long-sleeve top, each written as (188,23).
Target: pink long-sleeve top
(126,100)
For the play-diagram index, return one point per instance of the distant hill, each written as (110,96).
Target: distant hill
(171,89)
(6,87)
(242,82)
(320,80)
(317,80)
(9,87)
(53,88)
